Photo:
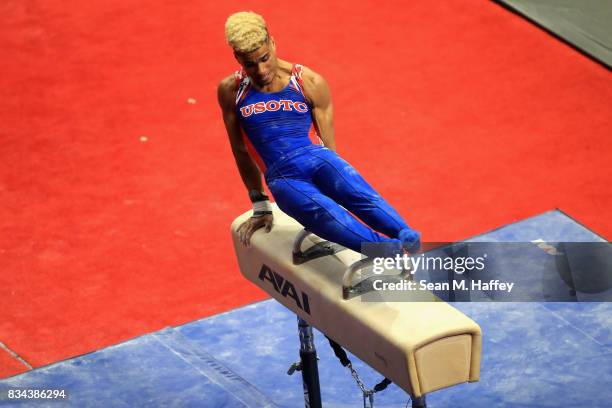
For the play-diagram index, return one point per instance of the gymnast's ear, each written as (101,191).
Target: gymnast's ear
(237,57)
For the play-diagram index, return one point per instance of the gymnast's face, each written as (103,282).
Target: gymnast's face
(260,65)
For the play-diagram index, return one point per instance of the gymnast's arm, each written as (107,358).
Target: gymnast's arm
(317,92)
(249,172)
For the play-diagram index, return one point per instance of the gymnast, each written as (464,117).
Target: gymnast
(279,119)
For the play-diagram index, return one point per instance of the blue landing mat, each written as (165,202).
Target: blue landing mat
(156,370)
(534,355)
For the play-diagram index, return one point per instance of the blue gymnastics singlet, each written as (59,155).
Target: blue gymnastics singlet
(274,124)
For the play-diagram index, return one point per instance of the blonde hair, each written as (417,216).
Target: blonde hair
(245,31)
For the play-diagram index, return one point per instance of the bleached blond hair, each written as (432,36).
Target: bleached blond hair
(245,31)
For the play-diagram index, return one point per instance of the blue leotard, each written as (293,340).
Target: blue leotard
(309,182)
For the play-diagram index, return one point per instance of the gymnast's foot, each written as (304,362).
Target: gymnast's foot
(411,240)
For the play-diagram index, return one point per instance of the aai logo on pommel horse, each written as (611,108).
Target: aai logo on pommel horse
(284,287)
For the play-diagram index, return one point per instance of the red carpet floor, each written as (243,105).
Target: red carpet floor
(117,185)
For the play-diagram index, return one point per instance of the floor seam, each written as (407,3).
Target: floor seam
(560,317)
(15,355)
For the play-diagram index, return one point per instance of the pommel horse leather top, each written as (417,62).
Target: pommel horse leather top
(421,346)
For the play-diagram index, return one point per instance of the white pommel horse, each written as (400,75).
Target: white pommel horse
(422,346)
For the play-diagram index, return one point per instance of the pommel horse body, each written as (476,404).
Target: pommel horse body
(421,346)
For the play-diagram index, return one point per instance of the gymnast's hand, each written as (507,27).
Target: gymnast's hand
(247,228)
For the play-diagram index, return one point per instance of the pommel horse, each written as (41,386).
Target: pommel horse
(422,346)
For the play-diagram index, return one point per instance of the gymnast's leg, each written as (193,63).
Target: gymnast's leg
(338,180)
(322,216)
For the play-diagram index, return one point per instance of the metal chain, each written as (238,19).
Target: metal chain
(360,383)
(368,395)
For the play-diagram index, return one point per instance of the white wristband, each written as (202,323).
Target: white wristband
(262,206)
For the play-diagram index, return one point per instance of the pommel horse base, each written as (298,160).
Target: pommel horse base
(422,346)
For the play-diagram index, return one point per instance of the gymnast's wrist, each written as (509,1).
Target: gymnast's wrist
(256,196)
(261,207)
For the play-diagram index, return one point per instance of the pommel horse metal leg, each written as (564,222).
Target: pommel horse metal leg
(419,402)
(310,367)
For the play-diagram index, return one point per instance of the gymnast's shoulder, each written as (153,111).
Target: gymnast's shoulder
(316,88)
(312,78)
(226,91)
